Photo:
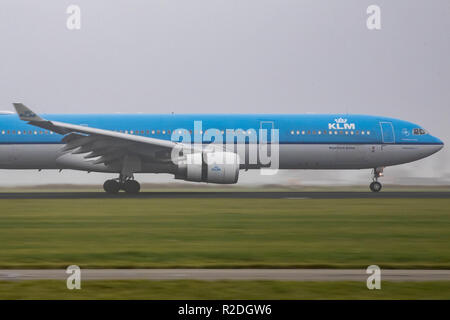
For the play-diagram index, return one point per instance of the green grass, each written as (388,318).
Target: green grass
(190,289)
(165,233)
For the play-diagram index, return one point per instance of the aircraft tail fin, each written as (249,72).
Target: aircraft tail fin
(26,113)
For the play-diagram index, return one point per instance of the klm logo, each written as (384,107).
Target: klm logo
(27,114)
(216,169)
(341,124)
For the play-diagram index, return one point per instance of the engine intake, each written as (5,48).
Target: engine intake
(212,167)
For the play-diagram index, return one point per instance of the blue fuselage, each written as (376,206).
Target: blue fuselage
(306,141)
(293,129)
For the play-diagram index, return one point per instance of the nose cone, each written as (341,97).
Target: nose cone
(437,145)
(440,143)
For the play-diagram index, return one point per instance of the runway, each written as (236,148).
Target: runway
(228,195)
(228,274)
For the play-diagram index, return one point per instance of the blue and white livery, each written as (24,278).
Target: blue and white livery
(184,144)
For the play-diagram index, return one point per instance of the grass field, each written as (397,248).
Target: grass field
(160,233)
(189,289)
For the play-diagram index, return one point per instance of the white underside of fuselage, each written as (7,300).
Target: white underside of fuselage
(291,156)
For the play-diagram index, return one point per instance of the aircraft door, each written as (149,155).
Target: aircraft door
(387,132)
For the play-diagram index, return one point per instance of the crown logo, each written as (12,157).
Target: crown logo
(340,120)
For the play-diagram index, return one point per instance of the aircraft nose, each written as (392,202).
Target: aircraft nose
(438,143)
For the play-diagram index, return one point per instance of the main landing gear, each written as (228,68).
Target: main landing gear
(375,186)
(130,186)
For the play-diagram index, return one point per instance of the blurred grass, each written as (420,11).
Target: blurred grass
(216,233)
(210,290)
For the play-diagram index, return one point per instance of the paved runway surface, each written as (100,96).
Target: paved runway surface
(230,274)
(227,195)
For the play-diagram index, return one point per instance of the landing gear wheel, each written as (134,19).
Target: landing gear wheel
(111,186)
(131,186)
(375,186)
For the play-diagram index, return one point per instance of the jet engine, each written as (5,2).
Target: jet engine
(212,167)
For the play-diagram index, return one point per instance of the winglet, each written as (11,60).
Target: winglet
(25,113)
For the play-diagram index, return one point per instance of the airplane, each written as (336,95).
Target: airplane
(178,144)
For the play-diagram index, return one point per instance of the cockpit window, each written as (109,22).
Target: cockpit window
(419,131)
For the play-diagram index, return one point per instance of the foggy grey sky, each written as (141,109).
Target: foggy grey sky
(232,56)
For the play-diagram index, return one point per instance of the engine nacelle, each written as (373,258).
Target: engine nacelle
(212,167)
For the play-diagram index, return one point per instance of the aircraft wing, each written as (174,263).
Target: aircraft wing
(100,145)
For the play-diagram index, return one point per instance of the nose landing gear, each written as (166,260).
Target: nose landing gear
(127,184)
(375,186)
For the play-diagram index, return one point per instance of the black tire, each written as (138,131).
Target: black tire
(111,186)
(131,186)
(375,186)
